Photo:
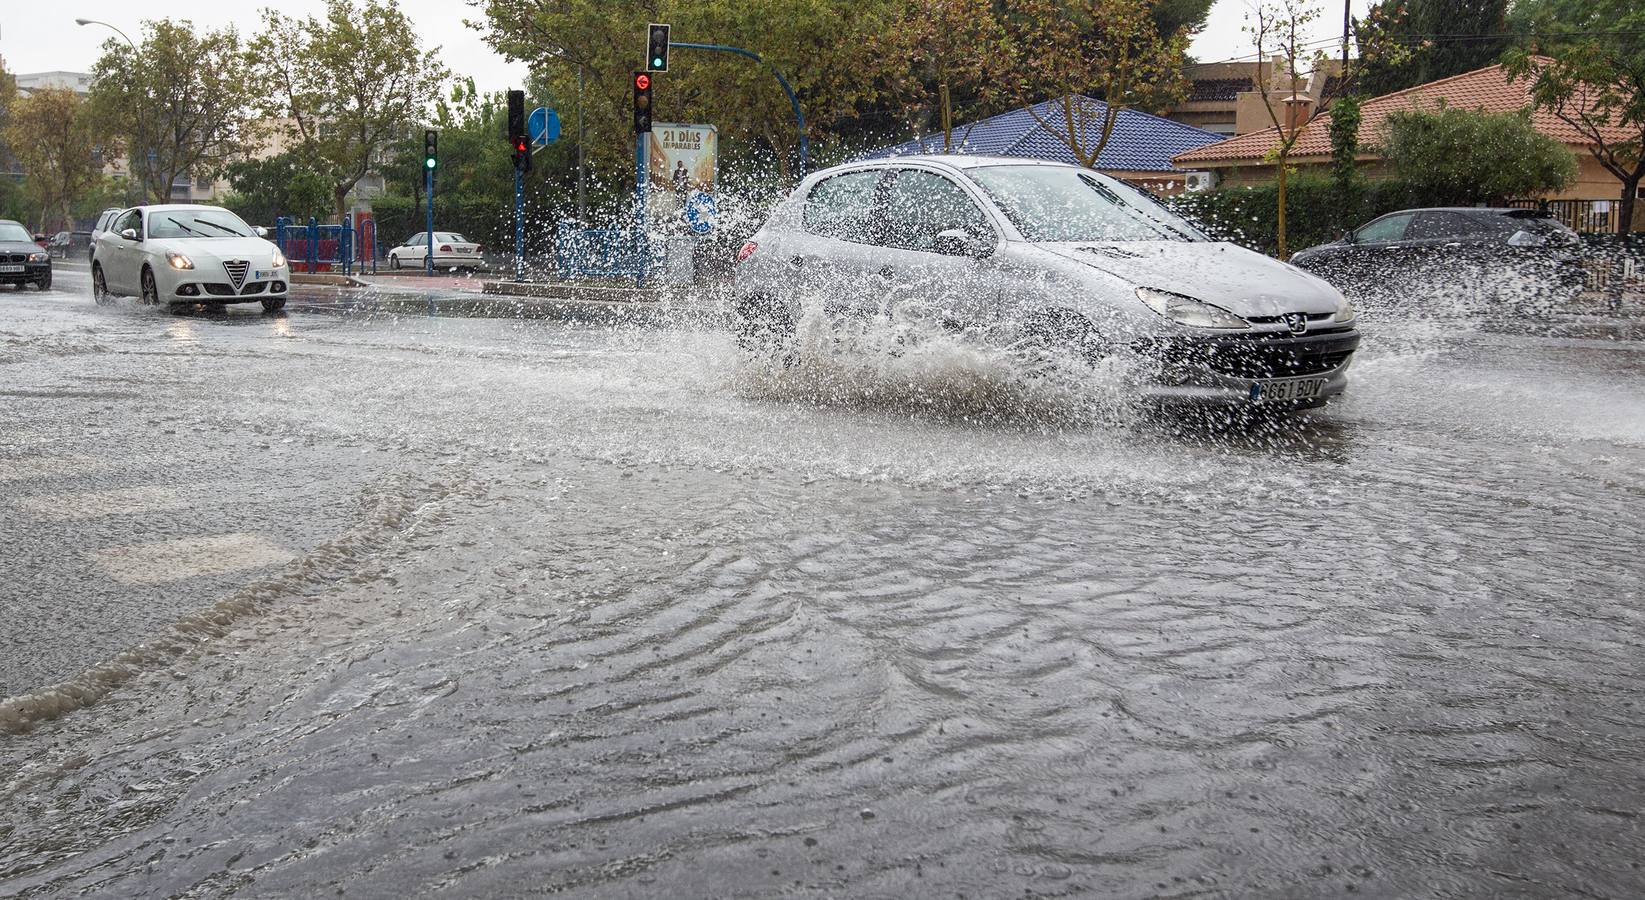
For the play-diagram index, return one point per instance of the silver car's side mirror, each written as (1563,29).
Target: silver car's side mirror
(260,231)
(129,234)
(959,242)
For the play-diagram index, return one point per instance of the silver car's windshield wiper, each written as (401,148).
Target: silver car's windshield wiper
(1136,214)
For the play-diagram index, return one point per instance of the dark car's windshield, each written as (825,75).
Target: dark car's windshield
(1052,203)
(196,223)
(11,231)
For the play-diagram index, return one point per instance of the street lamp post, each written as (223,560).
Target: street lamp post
(122,34)
(129,43)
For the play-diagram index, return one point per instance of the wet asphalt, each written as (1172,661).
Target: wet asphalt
(359,602)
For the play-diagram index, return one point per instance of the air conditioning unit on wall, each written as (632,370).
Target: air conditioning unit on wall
(1194,182)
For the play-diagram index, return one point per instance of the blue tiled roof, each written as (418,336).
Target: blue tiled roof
(1140,142)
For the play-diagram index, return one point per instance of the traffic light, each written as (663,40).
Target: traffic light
(656,48)
(431,149)
(642,102)
(517,138)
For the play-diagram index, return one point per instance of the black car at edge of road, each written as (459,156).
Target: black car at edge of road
(22,261)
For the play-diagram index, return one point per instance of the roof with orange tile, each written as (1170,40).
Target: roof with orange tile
(1487,89)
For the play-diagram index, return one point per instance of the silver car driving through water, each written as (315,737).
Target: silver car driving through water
(1048,256)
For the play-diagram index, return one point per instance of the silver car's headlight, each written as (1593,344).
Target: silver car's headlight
(1188,311)
(1345,312)
(279,260)
(179,261)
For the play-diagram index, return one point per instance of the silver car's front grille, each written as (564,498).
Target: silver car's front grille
(236,269)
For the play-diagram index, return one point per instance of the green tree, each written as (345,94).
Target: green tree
(1345,120)
(265,189)
(178,104)
(1281,29)
(1112,48)
(344,86)
(1444,38)
(51,135)
(959,60)
(826,49)
(1460,157)
(1586,64)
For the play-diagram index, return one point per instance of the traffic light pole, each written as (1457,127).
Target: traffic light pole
(428,264)
(639,203)
(519,224)
(799,117)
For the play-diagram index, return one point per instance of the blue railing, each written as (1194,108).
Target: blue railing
(604,252)
(327,248)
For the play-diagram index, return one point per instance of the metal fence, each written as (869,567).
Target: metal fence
(1581,216)
(328,248)
(604,252)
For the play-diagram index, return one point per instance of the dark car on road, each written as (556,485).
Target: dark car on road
(1494,253)
(22,261)
(64,243)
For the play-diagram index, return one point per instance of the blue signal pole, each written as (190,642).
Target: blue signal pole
(519,224)
(639,203)
(428,264)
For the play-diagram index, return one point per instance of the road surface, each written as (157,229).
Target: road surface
(360,603)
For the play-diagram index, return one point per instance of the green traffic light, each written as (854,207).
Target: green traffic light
(656,63)
(429,162)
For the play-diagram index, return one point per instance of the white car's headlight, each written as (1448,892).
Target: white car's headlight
(279,260)
(179,261)
(1345,312)
(1188,311)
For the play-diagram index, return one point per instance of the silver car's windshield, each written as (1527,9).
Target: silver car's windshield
(1051,203)
(192,223)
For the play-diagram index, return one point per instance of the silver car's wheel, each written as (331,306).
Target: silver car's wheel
(1059,331)
(99,288)
(762,326)
(151,291)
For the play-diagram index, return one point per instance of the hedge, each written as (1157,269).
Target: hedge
(1317,210)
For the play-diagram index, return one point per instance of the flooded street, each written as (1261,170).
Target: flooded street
(352,603)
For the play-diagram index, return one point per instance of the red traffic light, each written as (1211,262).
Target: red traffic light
(642,81)
(520,145)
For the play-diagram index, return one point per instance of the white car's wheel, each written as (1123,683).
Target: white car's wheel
(394,261)
(151,291)
(99,287)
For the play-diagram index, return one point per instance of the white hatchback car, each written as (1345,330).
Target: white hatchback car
(451,251)
(188,254)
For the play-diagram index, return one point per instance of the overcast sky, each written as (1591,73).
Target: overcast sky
(47,38)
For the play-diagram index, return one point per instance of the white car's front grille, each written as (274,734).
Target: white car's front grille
(236,269)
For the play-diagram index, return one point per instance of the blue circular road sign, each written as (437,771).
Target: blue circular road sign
(700,212)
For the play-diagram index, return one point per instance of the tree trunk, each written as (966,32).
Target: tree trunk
(1279,218)
(947,119)
(339,197)
(1625,209)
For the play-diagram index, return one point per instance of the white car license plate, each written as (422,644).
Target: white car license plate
(9,268)
(1293,389)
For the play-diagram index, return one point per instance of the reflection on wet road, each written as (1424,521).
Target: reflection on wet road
(361,604)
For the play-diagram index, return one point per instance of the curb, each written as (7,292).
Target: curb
(326,278)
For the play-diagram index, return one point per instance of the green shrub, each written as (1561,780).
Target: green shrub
(1458,157)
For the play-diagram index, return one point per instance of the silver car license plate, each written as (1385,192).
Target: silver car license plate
(1291,389)
(10,268)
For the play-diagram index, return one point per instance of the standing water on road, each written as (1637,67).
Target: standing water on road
(362,603)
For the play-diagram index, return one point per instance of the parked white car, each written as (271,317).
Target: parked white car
(451,251)
(188,254)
